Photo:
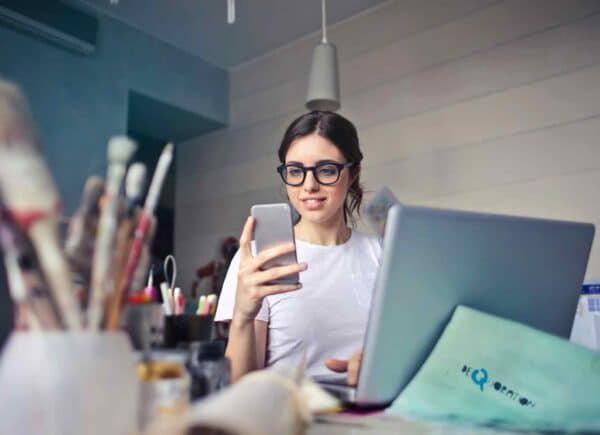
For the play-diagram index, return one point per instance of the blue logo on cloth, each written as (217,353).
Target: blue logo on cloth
(479,380)
(480,377)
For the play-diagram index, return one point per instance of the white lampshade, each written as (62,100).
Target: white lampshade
(323,84)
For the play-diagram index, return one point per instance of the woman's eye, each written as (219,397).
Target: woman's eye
(294,172)
(328,170)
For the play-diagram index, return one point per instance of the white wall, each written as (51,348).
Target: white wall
(472,104)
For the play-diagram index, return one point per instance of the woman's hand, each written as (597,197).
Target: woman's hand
(351,366)
(252,285)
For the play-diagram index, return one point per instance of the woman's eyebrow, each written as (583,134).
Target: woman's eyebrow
(293,162)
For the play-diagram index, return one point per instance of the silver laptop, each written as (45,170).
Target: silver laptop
(528,270)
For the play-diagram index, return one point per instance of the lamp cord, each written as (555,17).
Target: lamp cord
(324,17)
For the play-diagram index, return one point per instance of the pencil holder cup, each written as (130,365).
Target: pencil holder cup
(68,383)
(186,328)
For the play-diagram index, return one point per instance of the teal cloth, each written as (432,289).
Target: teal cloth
(486,370)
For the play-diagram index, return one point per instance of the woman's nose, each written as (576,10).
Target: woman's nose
(310,182)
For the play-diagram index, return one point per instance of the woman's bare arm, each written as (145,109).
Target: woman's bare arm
(247,346)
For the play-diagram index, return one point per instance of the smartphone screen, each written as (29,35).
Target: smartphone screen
(273,227)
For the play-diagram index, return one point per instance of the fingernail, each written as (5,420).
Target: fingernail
(304,266)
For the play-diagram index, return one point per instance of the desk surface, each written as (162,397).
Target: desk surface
(382,425)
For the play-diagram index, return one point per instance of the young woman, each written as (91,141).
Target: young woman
(326,315)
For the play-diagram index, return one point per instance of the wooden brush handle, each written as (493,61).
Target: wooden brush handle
(114,310)
(44,237)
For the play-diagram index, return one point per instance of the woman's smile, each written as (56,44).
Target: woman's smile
(313,203)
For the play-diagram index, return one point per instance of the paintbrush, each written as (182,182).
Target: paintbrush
(27,285)
(141,271)
(32,199)
(143,227)
(135,182)
(81,234)
(120,150)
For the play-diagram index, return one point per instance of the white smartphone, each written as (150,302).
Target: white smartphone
(274,227)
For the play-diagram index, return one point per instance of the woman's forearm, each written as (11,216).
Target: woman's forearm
(241,347)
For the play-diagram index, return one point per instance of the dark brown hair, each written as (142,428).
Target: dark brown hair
(342,134)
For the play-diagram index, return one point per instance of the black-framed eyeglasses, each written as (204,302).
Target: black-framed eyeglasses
(326,173)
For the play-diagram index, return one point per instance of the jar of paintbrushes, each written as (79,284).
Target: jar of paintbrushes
(72,370)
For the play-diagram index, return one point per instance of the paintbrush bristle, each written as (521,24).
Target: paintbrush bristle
(16,123)
(120,149)
(25,181)
(135,180)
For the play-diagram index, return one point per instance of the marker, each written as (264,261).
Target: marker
(201,303)
(164,291)
(171,299)
(212,303)
(206,306)
(179,301)
(149,290)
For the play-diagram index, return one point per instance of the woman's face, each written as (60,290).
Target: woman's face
(315,202)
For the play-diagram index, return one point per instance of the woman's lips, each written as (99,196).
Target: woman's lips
(313,203)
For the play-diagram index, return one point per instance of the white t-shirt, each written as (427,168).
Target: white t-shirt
(328,315)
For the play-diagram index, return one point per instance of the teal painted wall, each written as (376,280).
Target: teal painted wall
(80,101)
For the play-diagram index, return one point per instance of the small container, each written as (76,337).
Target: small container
(209,368)
(164,386)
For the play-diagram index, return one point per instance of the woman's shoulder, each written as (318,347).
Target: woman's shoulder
(363,237)
(366,241)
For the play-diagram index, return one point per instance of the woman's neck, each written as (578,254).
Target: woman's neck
(330,233)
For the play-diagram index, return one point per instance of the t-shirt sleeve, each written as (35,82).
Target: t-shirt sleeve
(227,297)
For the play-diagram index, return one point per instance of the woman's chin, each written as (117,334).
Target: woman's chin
(320,216)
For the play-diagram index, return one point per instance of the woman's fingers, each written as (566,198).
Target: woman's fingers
(337,365)
(272,253)
(260,278)
(351,366)
(268,290)
(354,368)
(265,256)
(246,238)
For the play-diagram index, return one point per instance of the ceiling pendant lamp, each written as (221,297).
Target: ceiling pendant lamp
(323,84)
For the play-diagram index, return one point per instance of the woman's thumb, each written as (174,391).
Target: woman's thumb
(337,365)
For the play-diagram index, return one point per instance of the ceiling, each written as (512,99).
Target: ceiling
(200,26)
